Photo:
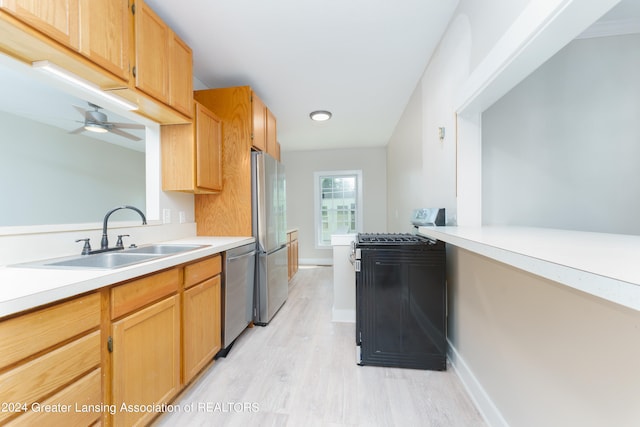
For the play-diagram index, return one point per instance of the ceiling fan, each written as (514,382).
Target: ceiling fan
(97,121)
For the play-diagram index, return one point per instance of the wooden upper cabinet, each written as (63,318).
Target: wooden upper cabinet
(164,63)
(104,34)
(151,70)
(98,29)
(258,123)
(272,137)
(192,154)
(208,136)
(264,136)
(180,75)
(57,19)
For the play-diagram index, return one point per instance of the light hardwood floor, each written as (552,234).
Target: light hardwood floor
(300,370)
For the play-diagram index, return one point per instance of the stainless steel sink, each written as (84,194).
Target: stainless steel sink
(115,259)
(106,260)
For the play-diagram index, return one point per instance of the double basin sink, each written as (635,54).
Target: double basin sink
(114,259)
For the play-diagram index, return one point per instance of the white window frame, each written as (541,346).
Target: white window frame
(317,192)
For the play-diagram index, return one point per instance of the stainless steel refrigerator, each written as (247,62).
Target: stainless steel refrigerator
(269,229)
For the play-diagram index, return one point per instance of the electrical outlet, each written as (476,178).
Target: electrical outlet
(166,216)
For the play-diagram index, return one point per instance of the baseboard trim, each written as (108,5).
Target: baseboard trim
(478,394)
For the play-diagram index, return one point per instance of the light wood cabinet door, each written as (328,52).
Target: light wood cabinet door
(258,123)
(192,154)
(272,138)
(146,359)
(152,53)
(295,257)
(104,34)
(208,159)
(180,75)
(202,326)
(57,19)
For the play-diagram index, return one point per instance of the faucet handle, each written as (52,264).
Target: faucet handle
(119,243)
(87,246)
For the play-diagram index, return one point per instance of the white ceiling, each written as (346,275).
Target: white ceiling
(360,59)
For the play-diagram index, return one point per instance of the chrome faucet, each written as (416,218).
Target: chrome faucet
(104,244)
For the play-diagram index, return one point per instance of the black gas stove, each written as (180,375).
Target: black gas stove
(400,301)
(391,239)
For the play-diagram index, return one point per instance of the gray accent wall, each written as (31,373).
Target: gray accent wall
(300,167)
(562,149)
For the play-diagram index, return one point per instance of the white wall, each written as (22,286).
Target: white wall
(418,162)
(300,166)
(543,354)
(28,243)
(50,177)
(530,351)
(561,149)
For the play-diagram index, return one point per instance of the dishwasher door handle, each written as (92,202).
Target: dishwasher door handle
(252,253)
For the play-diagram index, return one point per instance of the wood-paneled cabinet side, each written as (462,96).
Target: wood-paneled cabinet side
(229,212)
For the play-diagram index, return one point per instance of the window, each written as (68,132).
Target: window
(338,204)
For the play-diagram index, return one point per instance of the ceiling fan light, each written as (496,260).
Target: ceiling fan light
(92,127)
(320,115)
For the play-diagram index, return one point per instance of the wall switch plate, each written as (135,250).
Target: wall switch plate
(166,216)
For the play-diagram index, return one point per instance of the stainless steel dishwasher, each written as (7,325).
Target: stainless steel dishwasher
(237,297)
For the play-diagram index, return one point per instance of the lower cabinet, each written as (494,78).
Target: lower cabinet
(145,345)
(292,252)
(112,357)
(146,360)
(50,365)
(202,326)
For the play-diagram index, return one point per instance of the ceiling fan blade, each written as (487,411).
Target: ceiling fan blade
(127,125)
(124,134)
(77,131)
(80,110)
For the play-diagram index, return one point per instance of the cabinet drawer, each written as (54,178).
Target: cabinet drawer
(72,399)
(29,382)
(133,295)
(199,271)
(31,333)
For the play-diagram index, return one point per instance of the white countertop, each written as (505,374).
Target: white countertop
(342,239)
(601,264)
(24,288)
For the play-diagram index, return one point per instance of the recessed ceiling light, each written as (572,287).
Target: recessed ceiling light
(320,115)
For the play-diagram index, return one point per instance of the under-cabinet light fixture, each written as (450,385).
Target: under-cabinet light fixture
(320,115)
(82,83)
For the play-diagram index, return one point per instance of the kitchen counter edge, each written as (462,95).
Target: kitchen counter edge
(22,289)
(599,264)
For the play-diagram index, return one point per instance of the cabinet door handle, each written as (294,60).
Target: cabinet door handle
(110,344)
